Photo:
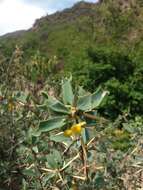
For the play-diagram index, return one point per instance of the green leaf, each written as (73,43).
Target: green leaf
(54,159)
(84,103)
(52,124)
(22,97)
(29,172)
(48,177)
(36,133)
(67,92)
(51,161)
(98,97)
(56,106)
(57,156)
(59,138)
(82,92)
(45,94)
(91,101)
(35,149)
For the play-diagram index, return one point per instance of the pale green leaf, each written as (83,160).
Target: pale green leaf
(67,92)
(52,124)
(59,138)
(56,106)
(84,103)
(98,97)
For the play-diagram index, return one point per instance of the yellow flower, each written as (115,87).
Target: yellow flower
(77,128)
(68,133)
(10,107)
(74,130)
(118,132)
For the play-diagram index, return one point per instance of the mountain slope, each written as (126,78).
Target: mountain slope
(85,24)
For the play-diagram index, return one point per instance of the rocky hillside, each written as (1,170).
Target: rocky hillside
(73,30)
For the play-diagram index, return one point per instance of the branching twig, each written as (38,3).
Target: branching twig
(64,167)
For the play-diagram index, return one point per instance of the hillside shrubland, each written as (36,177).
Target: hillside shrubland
(71,100)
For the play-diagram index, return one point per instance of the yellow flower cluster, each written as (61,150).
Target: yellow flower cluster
(118,132)
(76,129)
(10,107)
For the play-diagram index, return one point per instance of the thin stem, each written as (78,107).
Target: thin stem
(84,157)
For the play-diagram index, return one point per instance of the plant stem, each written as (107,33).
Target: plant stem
(84,157)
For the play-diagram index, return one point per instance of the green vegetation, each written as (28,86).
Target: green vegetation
(71,100)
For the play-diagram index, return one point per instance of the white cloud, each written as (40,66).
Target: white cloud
(17,15)
(21,14)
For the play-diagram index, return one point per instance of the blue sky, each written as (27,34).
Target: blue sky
(21,14)
(53,5)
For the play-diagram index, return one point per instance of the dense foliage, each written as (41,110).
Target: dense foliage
(119,73)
